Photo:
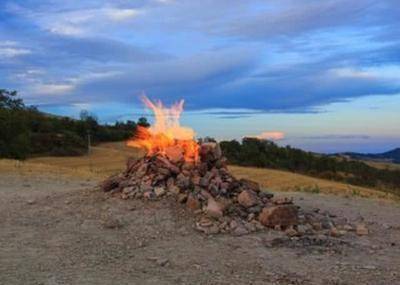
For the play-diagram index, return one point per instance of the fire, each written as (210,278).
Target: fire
(166,136)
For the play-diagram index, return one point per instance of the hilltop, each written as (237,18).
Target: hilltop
(392,156)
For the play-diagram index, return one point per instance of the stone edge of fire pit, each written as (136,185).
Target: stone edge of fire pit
(219,202)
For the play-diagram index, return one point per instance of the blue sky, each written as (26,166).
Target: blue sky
(324,73)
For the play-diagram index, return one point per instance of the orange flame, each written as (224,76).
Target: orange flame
(166,137)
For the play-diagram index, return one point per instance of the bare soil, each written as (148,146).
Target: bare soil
(56,230)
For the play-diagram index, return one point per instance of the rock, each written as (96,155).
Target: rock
(291,232)
(149,195)
(247,198)
(282,200)
(110,183)
(249,184)
(159,191)
(282,215)
(112,223)
(213,230)
(327,223)
(348,227)
(174,153)
(162,261)
(192,202)
(240,231)
(362,230)
(182,198)
(182,181)
(31,201)
(174,189)
(210,151)
(205,222)
(335,232)
(233,225)
(213,209)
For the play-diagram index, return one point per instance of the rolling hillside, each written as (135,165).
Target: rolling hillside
(392,156)
(109,158)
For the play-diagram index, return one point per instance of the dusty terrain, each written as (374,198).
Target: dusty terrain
(58,229)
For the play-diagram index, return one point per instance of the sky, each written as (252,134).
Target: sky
(320,75)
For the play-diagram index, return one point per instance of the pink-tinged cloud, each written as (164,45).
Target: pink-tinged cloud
(273,136)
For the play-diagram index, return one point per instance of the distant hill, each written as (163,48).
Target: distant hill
(392,156)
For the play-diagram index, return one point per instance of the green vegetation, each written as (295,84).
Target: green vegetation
(25,131)
(259,153)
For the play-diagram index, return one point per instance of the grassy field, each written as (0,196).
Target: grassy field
(110,158)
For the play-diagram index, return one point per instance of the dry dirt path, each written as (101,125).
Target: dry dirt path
(62,231)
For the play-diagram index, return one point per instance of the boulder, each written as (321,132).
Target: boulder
(281,215)
(247,198)
(213,209)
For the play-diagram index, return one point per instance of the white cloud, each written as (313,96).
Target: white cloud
(82,22)
(53,89)
(121,14)
(10,52)
(274,136)
(11,49)
(353,73)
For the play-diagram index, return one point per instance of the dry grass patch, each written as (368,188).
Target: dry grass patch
(278,180)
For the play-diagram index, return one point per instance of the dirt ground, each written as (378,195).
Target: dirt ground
(64,231)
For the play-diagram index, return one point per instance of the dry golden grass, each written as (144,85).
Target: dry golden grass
(106,159)
(110,158)
(383,165)
(279,180)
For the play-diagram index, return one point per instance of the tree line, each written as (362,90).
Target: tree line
(25,131)
(262,153)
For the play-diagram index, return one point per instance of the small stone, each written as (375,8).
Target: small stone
(213,230)
(247,198)
(31,201)
(291,232)
(205,222)
(233,224)
(159,191)
(335,232)
(182,198)
(149,195)
(112,223)
(348,227)
(282,200)
(193,203)
(174,189)
(162,261)
(240,231)
(362,230)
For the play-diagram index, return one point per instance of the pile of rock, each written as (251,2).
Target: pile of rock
(221,202)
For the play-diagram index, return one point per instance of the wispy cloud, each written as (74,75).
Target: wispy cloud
(274,136)
(338,137)
(266,56)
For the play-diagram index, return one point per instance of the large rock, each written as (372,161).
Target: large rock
(247,198)
(213,209)
(111,183)
(210,151)
(282,215)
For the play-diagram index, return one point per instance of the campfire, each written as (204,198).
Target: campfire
(196,175)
